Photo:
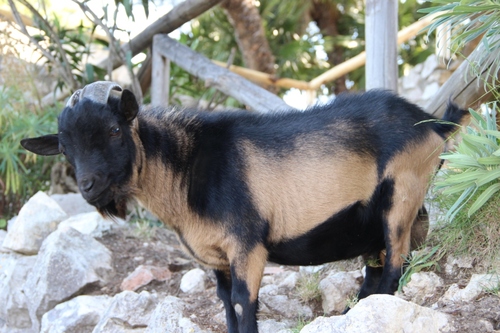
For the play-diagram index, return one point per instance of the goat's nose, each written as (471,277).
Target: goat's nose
(87,183)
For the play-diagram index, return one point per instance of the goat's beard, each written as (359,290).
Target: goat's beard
(117,207)
(114,209)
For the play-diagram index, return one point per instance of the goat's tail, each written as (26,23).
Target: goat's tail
(453,117)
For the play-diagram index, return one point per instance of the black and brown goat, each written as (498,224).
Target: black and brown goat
(241,188)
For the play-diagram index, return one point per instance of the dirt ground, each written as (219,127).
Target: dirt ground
(159,247)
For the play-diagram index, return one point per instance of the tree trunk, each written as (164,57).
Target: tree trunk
(250,36)
(326,15)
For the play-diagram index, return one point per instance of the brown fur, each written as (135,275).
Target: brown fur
(302,190)
(411,171)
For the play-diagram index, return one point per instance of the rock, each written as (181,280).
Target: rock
(453,265)
(289,280)
(3,234)
(410,81)
(36,220)
(67,262)
(273,303)
(311,269)
(168,318)
(337,288)
(430,90)
(128,312)
(477,284)
(14,270)
(273,270)
(143,275)
(430,64)
(80,314)
(193,281)
(73,203)
(380,314)
(272,326)
(92,223)
(422,286)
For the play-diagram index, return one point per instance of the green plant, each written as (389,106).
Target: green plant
(21,173)
(474,167)
(352,301)
(418,261)
(299,325)
(476,236)
(469,20)
(308,287)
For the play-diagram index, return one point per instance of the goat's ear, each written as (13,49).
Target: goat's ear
(128,105)
(43,145)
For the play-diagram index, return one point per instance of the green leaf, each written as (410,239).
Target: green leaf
(489,160)
(483,198)
(490,176)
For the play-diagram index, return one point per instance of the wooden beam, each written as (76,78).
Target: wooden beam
(180,14)
(264,78)
(220,78)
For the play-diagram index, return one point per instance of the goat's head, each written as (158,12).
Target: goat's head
(95,135)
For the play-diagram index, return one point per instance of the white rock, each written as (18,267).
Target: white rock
(14,270)
(168,318)
(272,326)
(430,64)
(289,281)
(381,314)
(36,220)
(337,288)
(3,234)
(92,224)
(430,91)
(310,269)
(410,81)
(453,264)
(80,314)
(422,286)
(128,312)
(193,281)
(477,284)
(284,306)
(73,203)
(67,262)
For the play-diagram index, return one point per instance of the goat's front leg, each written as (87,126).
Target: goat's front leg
(224,287)
(247,268)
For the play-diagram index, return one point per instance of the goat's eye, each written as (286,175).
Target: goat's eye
(115,131)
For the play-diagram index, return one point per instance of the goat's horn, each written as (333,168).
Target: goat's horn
(98,92)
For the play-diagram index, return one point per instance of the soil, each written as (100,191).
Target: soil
(159,247)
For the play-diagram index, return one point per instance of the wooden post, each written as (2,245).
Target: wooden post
(160,79)
(381,29)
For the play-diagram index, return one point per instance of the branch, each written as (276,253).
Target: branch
(182,13)
(55,39)
(113,44)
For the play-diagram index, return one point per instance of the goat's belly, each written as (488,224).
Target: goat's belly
(343,236)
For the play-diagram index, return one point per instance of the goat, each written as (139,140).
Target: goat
(243,188)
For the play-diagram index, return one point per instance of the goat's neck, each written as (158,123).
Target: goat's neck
(159,188)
